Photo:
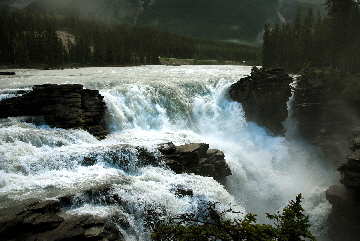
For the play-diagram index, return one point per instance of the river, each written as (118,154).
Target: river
(146,106)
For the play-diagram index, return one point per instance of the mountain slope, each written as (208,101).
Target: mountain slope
(236,20)
(241,20)
(120,10)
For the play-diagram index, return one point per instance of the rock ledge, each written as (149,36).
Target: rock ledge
(63,106)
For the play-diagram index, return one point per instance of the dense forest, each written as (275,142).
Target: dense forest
(33,39)
(235,20)
(330,41)
(239,20)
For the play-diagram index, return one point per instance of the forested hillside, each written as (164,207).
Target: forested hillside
(236,20)
(33,39)
(330,41)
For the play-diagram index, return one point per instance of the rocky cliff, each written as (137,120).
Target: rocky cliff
(63,106)
(327,123)
(331,124)
(264,96)
(345,199)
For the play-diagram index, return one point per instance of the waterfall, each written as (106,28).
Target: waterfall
(146,106)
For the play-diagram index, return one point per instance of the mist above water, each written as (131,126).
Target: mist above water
(148,105)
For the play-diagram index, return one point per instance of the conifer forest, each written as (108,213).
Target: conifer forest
(322,41)
(30,38)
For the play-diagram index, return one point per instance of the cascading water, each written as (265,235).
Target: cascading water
(146,106)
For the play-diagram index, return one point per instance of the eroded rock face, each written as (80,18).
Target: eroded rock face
(63,106)
(326,123)
(264,96)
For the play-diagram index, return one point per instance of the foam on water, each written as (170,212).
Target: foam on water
(148,105)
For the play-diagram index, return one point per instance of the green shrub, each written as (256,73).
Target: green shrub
(290,225)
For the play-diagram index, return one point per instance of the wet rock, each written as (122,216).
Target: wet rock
(182,192)
(40,220)
(327,123)
(196,158)
(126,157)
(7,73)
(264,96)
(63,106)
(167,148)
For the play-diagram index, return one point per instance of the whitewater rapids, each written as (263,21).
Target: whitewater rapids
(146,106)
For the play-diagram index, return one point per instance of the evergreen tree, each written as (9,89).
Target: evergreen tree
(267,47)
(343,19)
(330,41)
(28,38)
(291,225)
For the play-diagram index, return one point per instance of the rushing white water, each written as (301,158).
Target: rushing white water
(148,105)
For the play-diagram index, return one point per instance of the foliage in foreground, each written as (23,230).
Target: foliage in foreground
(290,224)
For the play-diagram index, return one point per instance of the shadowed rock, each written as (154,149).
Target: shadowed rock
(63,106)
(195,158)
(40,220)
(264,95)
(345,199)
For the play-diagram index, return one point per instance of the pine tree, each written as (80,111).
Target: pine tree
(343,16)
(267,47)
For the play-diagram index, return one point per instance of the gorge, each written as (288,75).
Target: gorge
(111,188)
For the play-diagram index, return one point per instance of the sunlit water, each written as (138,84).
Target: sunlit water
(146,106)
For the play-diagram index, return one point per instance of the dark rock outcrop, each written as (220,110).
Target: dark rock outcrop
(350,170)
(326,123)
(344,218)
(7,73)
(329,123)
(63,106)
(308,106)
(264,96)
(195,158)
(345,199)
(40,220)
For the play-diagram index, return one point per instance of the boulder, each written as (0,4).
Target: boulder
(195,158)
(63,106)
(264,96)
